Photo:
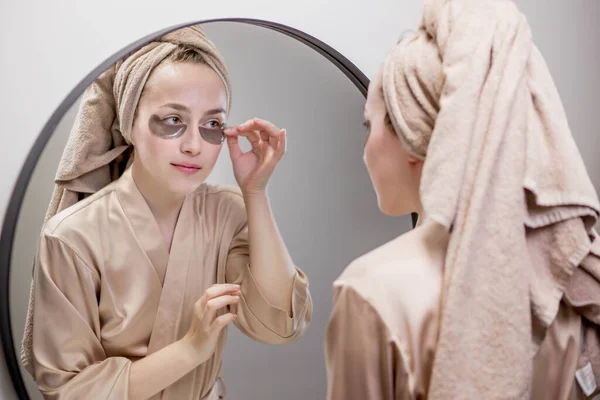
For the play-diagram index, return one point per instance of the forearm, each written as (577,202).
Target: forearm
(270,262)
(152,374)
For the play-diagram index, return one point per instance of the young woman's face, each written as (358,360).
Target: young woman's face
(395,174)
(179,99)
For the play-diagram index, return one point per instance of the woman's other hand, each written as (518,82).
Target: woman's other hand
(206,326)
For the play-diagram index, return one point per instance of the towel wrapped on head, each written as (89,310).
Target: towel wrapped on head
(97,149)
(471,95)
(99,145)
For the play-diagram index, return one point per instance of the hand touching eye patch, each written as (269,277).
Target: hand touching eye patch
(166,130)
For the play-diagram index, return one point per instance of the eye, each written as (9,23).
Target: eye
(173,120)
(213,124)
(367,125)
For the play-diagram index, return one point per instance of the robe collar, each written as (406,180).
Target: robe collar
(145,226)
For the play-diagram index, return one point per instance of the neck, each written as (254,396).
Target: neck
(421,215)
(165,206)
(433,233)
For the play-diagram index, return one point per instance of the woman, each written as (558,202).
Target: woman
(484,298)
(134,285)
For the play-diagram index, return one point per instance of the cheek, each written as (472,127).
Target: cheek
(211,152)
(374,149)
(384,157)
(154,148)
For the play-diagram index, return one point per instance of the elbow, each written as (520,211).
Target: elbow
(297,324)
(277,327)
(293,336)
(107,379)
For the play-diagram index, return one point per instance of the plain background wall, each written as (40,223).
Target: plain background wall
(48,47)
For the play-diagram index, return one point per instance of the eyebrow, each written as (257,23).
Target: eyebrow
(181,107)
(177,106)
(215,111)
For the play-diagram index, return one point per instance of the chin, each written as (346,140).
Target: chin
(184,187)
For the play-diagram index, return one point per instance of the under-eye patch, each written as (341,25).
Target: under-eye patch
(213,135)
(162,129)
(172,131)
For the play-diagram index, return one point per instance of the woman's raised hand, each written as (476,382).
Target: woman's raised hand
(254,168)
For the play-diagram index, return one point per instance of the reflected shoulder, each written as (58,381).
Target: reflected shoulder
(222,201)
(220,191)
(77,215)
(393,269)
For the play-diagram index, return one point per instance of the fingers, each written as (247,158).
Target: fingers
(282,145)
(267,133)
(223,321)
(220,289)
(233,144)
(257,124)
(256,128)
(268,141)
(253,137)
(214,305)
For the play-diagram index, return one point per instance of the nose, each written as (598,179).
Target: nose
(191,143)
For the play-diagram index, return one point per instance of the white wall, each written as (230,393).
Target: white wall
(48,47)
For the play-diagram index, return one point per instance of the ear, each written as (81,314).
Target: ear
(412,160)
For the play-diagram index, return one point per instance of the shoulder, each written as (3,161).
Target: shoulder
(223,193)
(220,204)
(215,196)
(394,277)
(75,221)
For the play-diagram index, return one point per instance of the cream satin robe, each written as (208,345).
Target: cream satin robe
(108,292)
(382,334)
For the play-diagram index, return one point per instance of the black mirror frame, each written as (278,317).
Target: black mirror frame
(20,188)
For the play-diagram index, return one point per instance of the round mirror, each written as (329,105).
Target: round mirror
(320,194)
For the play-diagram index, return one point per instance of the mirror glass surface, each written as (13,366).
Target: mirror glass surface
(320,194)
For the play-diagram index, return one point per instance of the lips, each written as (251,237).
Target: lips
(186,165)
(187,168)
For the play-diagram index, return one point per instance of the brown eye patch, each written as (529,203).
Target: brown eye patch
(164,130)
(213,135)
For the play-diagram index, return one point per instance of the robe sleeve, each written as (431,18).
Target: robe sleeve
(362,360)
(68,358)
(256,317)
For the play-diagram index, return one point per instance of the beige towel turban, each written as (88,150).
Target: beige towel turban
(471,95)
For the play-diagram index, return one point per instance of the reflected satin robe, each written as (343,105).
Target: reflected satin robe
(382,334)
(108,292)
